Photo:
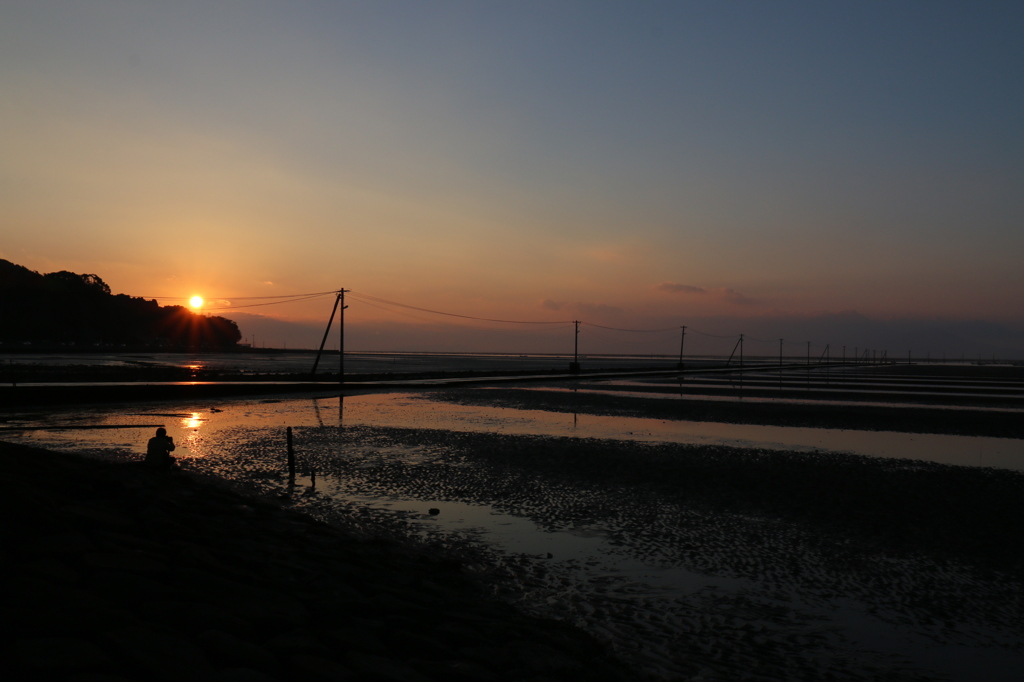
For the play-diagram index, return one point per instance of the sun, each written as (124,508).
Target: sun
(196,301)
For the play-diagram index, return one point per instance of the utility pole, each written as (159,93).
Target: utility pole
(808,352)
(575,366)
(780,352)
(334,309)
(682,340)
(341,335)
(741,353)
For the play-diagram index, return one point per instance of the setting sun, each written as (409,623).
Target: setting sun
(196,302)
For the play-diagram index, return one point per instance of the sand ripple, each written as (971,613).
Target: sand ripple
(765,565)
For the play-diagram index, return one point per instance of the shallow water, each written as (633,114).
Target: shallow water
(676,588)
(355,362)
(418,411)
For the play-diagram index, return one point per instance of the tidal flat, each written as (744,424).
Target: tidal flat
(692,551)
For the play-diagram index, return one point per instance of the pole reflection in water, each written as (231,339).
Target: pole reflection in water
(316,409)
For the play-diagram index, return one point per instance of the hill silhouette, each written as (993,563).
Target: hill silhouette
(65,309)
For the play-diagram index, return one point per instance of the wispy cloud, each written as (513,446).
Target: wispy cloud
(722,294)
(581,308)
(736,297)
(597,309)
(673,288)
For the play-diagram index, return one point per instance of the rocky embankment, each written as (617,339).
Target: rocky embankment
(113,572)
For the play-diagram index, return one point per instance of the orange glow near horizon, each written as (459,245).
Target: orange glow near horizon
(196,302)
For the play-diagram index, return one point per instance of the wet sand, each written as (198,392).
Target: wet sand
(776,565)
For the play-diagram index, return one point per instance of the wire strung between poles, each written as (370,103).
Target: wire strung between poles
(714,336)
(241,298)
(425,319)
(380,303)
(360,296)
(617,329)
(256,305)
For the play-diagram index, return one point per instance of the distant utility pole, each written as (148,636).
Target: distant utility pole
(780,352)
(682,339)
(808,352)
(575,366)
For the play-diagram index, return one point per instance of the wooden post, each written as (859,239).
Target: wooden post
(291,456)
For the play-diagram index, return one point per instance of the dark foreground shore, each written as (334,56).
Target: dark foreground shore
(113,572)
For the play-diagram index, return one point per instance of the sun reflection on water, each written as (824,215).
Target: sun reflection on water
(194,421)
(192,444)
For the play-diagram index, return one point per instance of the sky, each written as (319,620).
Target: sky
(788,169)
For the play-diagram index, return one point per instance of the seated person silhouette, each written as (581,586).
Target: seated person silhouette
(158,450)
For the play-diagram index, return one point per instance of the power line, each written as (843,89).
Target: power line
(256,305)
(617,329)
(417,317)
(380,303)
(241,298)
(465,317)
(714,336)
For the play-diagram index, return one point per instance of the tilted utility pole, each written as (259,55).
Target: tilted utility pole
(338,303)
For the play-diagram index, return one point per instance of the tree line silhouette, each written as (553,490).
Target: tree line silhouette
(59,309)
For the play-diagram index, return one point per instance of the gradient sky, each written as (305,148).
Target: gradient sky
(627,163)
